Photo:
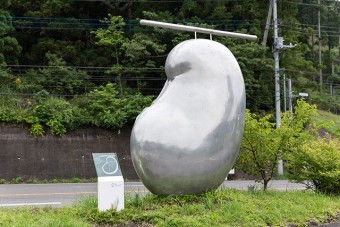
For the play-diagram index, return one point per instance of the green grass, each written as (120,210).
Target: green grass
(221,208)
(41,217)
(330,122)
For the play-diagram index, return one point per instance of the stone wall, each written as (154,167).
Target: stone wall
(48,157)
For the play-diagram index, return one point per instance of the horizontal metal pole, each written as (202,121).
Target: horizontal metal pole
(196,29)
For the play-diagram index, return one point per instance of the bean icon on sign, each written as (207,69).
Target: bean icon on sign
(110,166)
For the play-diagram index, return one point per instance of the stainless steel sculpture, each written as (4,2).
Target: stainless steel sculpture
(187,141)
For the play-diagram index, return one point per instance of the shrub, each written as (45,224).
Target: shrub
(106,109)
(17,180)
(102,107)
(37,130)
(317,164)
(56,113)
(57,79)
(6,78)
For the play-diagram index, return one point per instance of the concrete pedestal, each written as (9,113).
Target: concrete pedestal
(110,193)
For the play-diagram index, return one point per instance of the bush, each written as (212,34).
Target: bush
(58,78)
(102,107)
(107,110)
(17,180)
(317,164)
(56,113)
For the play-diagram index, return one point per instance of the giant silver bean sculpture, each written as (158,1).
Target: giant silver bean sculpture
(187,141)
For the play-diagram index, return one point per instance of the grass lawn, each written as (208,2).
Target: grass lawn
(227,207)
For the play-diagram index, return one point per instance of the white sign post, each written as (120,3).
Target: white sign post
(110,181)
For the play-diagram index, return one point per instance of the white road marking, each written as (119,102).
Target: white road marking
(48,194)
(29,204)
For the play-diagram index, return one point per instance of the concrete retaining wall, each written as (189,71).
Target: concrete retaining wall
(22,155)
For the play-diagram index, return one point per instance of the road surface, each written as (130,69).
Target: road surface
(59,195)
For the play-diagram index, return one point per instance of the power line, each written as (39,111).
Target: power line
(312,25)
(307,33)
(299,29)
(150,1)
(125,20)
(138,70)
(311,4)
(76,67)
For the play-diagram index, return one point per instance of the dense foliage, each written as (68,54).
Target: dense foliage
(264,144)
(317,164)
(101,107)
(63,51)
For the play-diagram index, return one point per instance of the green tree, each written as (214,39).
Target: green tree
(113,37)
(257,69)
(60,27)
(133,55)
(141,54)
(263,144)
(64,28)
(58,78)
(9,46)
(293,61)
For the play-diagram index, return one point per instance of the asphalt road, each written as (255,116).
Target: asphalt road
(59,195)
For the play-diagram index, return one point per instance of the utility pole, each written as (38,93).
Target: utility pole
(331,82)
(277,48)
(265,34)
(290,97)
(319,34)
(284,93)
